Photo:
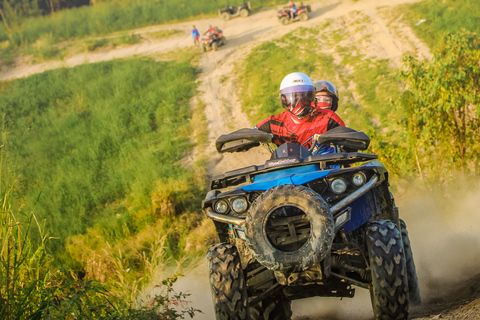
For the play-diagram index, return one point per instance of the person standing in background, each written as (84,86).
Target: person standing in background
(196,36)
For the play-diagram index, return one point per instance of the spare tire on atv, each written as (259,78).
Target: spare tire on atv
(289,228)
(389,291)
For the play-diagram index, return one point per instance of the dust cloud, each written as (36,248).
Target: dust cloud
(445,239)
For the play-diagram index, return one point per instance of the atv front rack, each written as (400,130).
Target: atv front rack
(238,221)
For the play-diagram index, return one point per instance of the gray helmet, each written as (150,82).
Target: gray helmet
(330,89)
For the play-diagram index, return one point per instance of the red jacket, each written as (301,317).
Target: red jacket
(285,130)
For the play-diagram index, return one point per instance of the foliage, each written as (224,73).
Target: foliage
(442,17)
(23,264)
(442,105)
(102,143)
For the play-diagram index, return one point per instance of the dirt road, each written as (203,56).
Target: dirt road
(388,39)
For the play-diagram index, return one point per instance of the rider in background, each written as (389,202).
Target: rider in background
(293,9)
(302,119)
(195,36)
(210,31)
(326,95)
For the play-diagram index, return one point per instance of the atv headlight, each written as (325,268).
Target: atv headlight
(358,179)
(221,206)
(338,185)
(239,205)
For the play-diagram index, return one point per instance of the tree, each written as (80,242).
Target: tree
(442,106)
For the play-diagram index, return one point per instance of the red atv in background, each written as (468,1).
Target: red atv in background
(213,41)
(284,15)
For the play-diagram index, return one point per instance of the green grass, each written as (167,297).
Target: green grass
(100,146)
(443,16)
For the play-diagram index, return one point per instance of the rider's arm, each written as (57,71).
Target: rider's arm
(334,121)
(265,125)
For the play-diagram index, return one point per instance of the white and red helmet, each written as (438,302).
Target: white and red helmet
(297,93)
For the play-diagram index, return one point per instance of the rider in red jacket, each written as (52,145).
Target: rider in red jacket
(302,119)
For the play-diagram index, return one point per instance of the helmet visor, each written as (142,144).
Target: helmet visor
(297,99)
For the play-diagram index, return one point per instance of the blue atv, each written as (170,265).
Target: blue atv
(307,224)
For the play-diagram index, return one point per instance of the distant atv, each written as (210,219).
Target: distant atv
(307,224)
(301,14)
(214,41)
(228,12)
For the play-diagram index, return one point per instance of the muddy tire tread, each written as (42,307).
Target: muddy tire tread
(227,283)
(413,288)
(389,291)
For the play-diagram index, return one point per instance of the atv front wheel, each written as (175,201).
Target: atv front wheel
(227,282)
(303,16)
(225,16)
(215,46)
(244,12)
(284,20)
(389,291)
(204,48)
(413,290)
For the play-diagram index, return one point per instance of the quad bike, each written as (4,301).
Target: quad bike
(301,14)
(228,12)
(306,224)
(214,41)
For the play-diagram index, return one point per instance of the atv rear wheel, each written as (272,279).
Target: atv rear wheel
(226,16)
(215,46)
(289,228)
(227,282)
(303,16)
(413,290)
(276,308)
(244,12)
(224,41)
(284,20)
(389,291)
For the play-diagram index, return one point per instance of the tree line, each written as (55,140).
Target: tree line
(13,11)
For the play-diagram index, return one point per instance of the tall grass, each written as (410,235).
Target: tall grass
(443,16)
(102,144)
(96,152)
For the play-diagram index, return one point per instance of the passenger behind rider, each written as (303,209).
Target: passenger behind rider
(293,10)
(326,95)
(302,119)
